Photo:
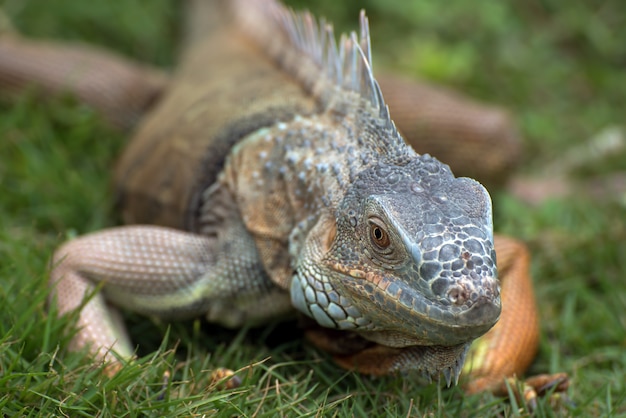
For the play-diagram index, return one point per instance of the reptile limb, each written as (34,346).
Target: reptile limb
(158,272)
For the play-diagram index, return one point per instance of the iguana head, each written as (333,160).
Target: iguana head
(408,260)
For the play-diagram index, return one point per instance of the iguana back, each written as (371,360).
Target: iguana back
(226,88)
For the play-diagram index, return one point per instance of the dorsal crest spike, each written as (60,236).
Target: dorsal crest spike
(369,85)
(354,63)
(332,55)
(366,45)
(345,64)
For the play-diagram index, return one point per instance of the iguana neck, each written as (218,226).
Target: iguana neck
(326,152)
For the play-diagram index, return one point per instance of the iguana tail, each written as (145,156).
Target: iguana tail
(120,89)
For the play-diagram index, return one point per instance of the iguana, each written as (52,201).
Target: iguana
(269,179)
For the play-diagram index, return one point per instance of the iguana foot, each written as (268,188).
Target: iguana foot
(352,352)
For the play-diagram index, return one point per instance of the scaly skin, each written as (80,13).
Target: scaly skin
(385,244)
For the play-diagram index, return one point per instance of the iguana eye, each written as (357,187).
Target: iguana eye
(379,236)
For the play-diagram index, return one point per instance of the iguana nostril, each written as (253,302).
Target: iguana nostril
(458,295)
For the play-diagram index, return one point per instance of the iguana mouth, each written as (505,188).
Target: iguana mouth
(422,321)
(388,311)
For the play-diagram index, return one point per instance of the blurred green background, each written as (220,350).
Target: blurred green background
(559,67)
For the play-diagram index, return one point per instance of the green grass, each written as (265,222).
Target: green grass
(558,66)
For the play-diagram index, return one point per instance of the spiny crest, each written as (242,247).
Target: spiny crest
(346,64)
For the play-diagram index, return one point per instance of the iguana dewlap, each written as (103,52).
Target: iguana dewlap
(279,183)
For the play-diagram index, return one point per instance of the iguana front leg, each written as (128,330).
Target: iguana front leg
(160,272)
(148,269)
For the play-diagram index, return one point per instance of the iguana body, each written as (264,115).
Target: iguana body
(278,159)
